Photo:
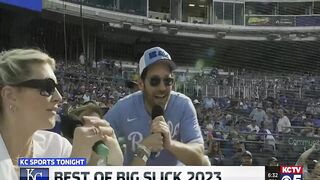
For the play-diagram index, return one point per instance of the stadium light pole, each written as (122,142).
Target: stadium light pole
(83,40)
(65,34)
(82,29)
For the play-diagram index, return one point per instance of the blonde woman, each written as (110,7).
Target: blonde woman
(28,103)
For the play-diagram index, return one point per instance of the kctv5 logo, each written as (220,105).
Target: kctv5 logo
(34,173)
(291,172)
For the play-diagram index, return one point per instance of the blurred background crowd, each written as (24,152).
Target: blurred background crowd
(242,114)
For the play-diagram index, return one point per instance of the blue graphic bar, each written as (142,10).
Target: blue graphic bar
(52,162)
(35,5)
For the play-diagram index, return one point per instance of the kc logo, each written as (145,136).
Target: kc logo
(34,174)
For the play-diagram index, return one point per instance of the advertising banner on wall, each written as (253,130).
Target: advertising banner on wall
(259,21)
(308,20)
(270,21)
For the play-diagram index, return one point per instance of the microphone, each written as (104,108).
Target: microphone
(156,111)
(70,122)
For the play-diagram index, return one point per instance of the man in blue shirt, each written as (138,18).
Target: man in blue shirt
(175,137)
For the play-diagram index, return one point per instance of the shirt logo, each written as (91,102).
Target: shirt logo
(131,119)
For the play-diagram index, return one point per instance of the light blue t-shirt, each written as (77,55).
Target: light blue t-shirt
(130,120)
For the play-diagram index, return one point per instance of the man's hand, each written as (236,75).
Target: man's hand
(154,142)
(159,126)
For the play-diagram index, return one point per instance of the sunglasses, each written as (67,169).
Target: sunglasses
(46,86)
(155,81)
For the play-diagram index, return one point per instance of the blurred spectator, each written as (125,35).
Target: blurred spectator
(268,122)
(197,106)
(272,161)
(246,158)
(86,97)
(214,153)
(239,149)
(308,130)
(258,114)
(252,144)
(133,86)
(284,124)
(218,131)
(82,59)
(266,136)
(208,102)
(316,121)
(317,133)
(241,127)
(298,119)
(253,126)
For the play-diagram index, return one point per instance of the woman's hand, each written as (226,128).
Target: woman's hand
(84,138)
(106,132)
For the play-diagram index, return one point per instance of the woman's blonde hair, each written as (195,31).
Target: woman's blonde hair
(16,65)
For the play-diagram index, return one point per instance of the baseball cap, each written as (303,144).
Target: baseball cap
(196,101)
(272,159)
(247,153)
(153,55)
